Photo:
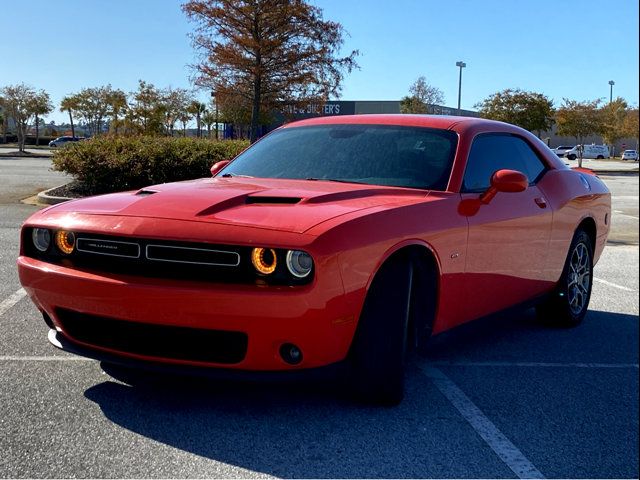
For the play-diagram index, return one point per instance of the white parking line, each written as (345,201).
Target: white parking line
(51,358)
(496,440)
(11,301)
(611,284)
(532,364)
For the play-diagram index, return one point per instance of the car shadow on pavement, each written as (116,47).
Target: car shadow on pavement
(314,431)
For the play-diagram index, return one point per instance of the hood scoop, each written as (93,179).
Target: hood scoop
(240,200)
(266,200)
(145,191)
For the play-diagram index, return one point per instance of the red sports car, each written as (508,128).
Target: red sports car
(339,240)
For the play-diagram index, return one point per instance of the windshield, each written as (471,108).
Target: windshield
(373,154)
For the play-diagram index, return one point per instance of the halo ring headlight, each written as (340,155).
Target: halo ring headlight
(65,241)
(264,260)
(299,263)
(41,238)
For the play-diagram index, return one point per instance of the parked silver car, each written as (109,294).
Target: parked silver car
(62,141)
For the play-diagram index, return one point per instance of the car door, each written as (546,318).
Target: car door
(508,237)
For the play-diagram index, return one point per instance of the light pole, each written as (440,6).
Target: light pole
(611,83)
(461,65)
(215,99)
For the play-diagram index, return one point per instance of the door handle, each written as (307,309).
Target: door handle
(541,202)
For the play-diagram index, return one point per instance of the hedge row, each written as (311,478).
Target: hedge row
(110,164)
(29,140)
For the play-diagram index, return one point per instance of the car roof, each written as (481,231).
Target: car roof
(433,121)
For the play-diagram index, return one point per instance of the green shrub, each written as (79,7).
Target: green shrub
(111,163)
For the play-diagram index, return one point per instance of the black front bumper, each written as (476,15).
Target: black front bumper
(333,371)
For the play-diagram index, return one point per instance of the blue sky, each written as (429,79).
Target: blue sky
(569,48)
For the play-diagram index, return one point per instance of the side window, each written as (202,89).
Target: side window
(490,153)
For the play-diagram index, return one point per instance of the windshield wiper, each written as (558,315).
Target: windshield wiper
(229,175)
(339,180)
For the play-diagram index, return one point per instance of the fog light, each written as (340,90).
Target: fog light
(41,238)
(291,354)
(66,241)
(299,263)
(264,260)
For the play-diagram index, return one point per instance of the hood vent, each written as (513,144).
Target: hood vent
(273,200)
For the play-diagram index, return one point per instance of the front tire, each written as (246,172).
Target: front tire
(379,349)
(568,304)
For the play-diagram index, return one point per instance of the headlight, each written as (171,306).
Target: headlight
(41,239)
(66,241)
(264,260)
(299,263)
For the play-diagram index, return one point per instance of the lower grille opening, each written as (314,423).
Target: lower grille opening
(180,343)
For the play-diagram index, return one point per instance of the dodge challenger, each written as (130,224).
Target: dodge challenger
(335,241)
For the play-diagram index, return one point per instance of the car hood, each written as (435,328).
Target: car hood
(275,204)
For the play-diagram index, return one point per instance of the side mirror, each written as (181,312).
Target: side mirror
(508,181)
(218,166)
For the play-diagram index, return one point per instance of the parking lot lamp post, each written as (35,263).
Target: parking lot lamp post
(461,65)
(611,83)
(215,99)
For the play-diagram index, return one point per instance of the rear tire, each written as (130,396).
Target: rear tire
(571,157)
(569,302)
(379,348)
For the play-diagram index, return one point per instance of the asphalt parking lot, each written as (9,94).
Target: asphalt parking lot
(502,397)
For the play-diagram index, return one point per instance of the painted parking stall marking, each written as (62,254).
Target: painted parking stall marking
(50,358)
(615,285)
(496,440)
(12,300)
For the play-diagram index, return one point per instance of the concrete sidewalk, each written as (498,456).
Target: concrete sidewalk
(605,166)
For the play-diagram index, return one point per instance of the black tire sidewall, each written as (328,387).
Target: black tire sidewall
(379,349)
(557,310)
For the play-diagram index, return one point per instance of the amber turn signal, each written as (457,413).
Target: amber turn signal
(264,260)
(65,241)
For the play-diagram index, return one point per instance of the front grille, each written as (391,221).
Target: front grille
(192,255)
(180,343)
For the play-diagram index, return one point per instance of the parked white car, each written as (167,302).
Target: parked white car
(630,155)
(561,150)
(589,151)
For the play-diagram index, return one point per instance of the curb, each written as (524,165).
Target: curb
(615,172)
(44,197)
(6,155)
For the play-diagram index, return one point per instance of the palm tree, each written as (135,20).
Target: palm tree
(196,109)
(69,104)
(208,118)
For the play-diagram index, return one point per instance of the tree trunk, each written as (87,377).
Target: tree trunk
(255,111)
(73,129)
(22,131)
(580,150)
(37,131)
